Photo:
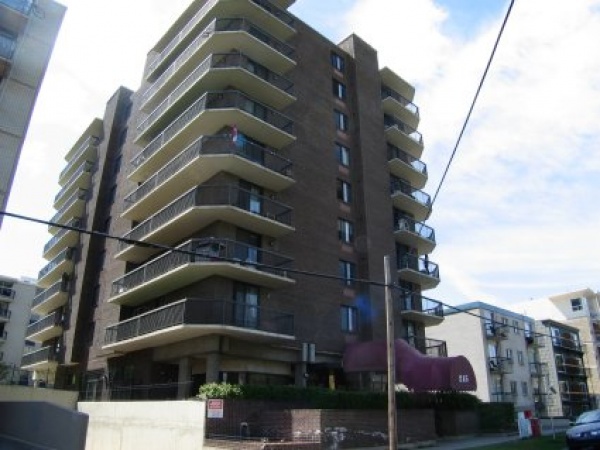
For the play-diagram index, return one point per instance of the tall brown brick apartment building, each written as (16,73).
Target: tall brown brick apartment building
(256,148)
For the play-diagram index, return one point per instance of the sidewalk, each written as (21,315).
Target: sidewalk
(474,442)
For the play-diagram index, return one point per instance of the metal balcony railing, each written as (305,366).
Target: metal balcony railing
(212,145)
(7,292)
(412,301)
(87,166)
(22,6)
(60,286)
(419,264)
(215,101)
(575,369)
(538,369)
(42,355)
(7,46)
(66,255)
(217,196)
(496,330)
(214,61)
(427,346)
(398,186)
(405,223)
(198,251)
(390,121)
(5,313)
(395,153)
(51,320)
(79,194)
(90,141)
(76,222)
(574,396)
(532,338)
(566,343)
(498,364)
(389,92)
(202,312)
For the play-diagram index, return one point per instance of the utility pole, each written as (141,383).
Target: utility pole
(391,357)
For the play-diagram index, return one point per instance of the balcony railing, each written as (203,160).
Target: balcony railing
(212,145)
(538,369)
(66,255)
(427,346)
(7,46)
(406,223)
(5,313)
(215,101)
(498,364)
(198,251)
(45,354)
(419,264)
(214,61)
(496,330)
(532,338)
(22,6)
(575,396)
(571,370)
(51,320)
(202,312)
(398,186)
(86,167)
(395,153)
(76,223)
(412,301)
(79,194)
(7,292)
(60,286)
(390,121)
(389,92)
(503,397)
(566,343)
(90,141)
(212,196)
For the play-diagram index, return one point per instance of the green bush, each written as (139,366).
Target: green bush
(320,398)
(497,417)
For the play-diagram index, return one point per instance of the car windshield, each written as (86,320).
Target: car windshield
(589,417)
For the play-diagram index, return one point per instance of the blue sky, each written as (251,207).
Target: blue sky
(516,218)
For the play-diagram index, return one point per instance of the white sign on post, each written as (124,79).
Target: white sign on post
(214,409)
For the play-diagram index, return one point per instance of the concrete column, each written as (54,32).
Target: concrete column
(184,378)
(212,368)
(300,374)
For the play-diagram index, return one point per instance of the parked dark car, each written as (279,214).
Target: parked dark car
(585,432)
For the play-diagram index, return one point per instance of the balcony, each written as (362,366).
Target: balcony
(392,80)
(567,344)
(79,180)
(42,359)
(262,13)
(538,369)
(5,314)
(575,396)
(431,347)
(53,271)
(193,318)
(419,271)
(499,365)
(202,206)
(496,330)
(421,309)
(73,207)
(6,294)
(14,14)
(202,160)
(208,116)
(407,167)
(402,136)
(217,72)
(571,369)
(52,298)
(534,339)
(3,336)
(503,397)
(199,259)
(7,48)
(407,198)
(88,151)
(399,106)
(46,328)
(414,234)
(63,239)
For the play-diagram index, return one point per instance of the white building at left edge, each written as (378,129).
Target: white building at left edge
(16,296)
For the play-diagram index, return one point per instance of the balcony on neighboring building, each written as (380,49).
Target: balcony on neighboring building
(42,359)
(203,159)
(417,235)
(574,393)
(407,198)
(395,104)
(415,307)
(197,260)
(191,318)
(87,151)
(428,346)
(200,207)
(217,72)
(7,48)
(73,207)
(566,343)
(80,179)
(5,314)
(500,365)
(538,369)
(496,330)
(421,271)
(571,367)
(262,13)
(52,298)
(53,271)
(209,115)
(66,237)
(407,167)
(402,136)
(6,294)
(46,328)
(14,14)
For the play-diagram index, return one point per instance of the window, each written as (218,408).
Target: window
(337,62)
(349,319)
(345,231)
(246,308)
(520,357)
(509,353)
(576,304)
(347,272)
(341,120)
(343,154)
(516,326)
(344,191)
(338,89)
(524,388)
(513,387)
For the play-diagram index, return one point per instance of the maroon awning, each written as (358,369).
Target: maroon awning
(417,371)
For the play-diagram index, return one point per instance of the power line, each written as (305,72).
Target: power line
(483,77)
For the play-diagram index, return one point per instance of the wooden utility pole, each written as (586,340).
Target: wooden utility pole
(391,357)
